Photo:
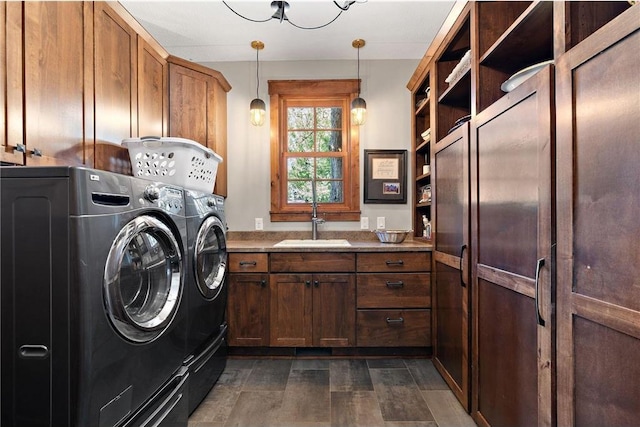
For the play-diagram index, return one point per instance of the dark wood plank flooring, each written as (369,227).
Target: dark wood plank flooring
(330,393)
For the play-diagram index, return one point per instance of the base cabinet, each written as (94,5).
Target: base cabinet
(248,313)
(394,299)
(318,300)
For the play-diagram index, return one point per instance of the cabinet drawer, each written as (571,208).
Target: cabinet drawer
(394,261)
(248,262)
(402,290)
(388,328)
(311,262)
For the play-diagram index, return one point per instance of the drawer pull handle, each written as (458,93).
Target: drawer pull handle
(243,263)
(391,321)
(34,352)
(399,262)
(395,285)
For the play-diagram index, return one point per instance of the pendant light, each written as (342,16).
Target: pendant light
(358,105)
(257,107)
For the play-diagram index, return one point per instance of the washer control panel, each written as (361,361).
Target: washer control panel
(165,197)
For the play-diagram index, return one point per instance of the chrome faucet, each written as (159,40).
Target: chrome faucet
(314,212)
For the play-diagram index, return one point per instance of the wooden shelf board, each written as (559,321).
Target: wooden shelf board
(423,176)
(458,94)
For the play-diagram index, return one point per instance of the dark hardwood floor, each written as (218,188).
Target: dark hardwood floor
(331,393)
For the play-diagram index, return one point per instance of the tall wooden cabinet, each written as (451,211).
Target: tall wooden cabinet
(451,318)
(512,239)
(598,284)
(539,323)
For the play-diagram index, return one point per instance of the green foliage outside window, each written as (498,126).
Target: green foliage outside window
(314,144)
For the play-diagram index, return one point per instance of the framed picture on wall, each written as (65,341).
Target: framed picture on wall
(385,176)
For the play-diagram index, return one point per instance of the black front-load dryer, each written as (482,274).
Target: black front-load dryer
(206,292)
(93,320)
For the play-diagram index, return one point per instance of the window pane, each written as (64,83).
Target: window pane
(299,192)
(300,168)
(329,118)
(329,168)
(329,141)
(300,142)
(300,118)
(330,191)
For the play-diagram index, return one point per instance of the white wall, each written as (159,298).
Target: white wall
(248,163)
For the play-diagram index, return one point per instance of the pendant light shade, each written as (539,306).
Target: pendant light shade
(257,109)
(358,105)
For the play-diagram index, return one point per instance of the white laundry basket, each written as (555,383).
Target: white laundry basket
(172,160)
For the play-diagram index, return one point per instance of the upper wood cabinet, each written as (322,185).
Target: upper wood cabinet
(198,109)
(115,88)
(79,77)
(44,82)
(153,90)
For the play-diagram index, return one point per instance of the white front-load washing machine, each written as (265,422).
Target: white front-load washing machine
(92,313)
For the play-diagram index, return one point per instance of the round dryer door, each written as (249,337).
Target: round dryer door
(143,279)
(210,257)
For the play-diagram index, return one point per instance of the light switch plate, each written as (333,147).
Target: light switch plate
(259,224)
(364,222)
(380,223)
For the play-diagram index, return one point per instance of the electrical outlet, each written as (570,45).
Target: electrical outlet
(380,223)
(364,222)
(259,224)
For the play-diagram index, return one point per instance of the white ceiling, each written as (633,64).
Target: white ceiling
(207,31)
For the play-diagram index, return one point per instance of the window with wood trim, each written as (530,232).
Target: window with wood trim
(314,150)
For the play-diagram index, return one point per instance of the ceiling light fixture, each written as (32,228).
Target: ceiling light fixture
(257,107)
(280,13)
(358,105)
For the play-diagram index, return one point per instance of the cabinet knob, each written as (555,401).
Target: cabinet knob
(263,283)
(316,283)
(308,283)
(20,148)
(36,152)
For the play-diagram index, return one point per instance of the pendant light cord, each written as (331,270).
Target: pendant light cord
(358,71)
(244,17)
(257,74)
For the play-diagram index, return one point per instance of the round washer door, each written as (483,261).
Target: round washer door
(210,257)
(143,279)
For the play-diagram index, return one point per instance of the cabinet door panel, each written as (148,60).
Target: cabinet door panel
(291,310)
(334,310)
(115,88)
(152,91)
(248,313)
(188,99)
(54,84)
(598,285)
(451,344)
(512,223)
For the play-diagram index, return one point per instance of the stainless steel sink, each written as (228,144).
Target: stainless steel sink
(309,243)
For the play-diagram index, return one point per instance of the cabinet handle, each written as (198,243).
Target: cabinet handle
(396,285)
(316,283)
(539,318)
(391,321)
(36,152)
(462,249)
(20,148)
(34,351)
(399,262)
(308,283)
(244,263)
(263,283)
